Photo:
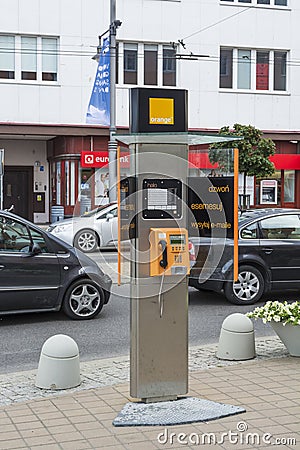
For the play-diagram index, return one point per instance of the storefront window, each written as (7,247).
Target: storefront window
(72,182)
(85,190)
(67,178)
(101,186)
(279,186)
(58,183)
(289,186)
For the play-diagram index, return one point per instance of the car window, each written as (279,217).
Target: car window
(250,232)
(113,211)
(95,211)
(286,226)
(39,239)
(14,236)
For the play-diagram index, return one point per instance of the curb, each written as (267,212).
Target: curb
(20,386)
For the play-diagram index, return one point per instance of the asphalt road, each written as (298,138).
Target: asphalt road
(22,336)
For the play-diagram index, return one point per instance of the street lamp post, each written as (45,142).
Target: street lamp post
(112,144)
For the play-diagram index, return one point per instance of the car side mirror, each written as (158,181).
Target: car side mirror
(109,216)
(246,234)
(36,250)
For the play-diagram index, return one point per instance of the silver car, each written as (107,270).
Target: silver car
(97,228)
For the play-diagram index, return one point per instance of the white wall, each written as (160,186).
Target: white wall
(202,26)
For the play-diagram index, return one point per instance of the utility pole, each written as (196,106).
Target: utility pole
(112,144)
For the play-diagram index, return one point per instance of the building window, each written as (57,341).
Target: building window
(49,59)
(244,69)
(34,57)
(253,70)
(28,58)
(7,59)
(169,66)
(226,68)
(262,71)
(260,2)
(150,64)
(130,63)
(279,71)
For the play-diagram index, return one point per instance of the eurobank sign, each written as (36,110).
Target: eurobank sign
(158,110)
(100,159)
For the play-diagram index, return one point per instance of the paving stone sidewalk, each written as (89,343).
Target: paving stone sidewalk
(20,386)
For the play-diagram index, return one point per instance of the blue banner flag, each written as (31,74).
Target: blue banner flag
(99,107)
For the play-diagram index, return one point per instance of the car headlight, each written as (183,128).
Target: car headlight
(61,228)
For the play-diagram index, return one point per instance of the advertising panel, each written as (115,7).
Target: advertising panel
(210,202)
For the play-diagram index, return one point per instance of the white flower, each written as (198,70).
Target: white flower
(287,313)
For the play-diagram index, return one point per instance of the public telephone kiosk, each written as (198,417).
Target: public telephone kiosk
(157,221)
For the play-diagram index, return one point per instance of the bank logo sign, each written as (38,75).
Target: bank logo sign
(161,111)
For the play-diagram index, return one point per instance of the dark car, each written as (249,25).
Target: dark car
(269,257)
(39,272)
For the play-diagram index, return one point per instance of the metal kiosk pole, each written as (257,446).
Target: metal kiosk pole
(159,268)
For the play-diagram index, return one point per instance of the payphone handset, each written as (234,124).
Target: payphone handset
(169,254)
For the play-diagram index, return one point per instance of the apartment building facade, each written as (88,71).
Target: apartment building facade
(238,59)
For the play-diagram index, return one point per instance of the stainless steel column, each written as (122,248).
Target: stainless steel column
(159,338)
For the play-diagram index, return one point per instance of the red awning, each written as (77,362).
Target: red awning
(286,161)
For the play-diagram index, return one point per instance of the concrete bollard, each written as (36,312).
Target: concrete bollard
(236,341)
(59,364)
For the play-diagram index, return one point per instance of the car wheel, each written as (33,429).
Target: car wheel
(84,299)
(248,289)
(86,241)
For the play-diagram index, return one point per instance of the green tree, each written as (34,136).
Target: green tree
(254,152)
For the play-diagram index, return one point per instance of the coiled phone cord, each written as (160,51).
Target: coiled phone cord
(160,296)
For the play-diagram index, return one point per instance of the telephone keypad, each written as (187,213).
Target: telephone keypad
(178,248)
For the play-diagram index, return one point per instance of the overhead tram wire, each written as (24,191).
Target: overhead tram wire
(215,24)
(179,56)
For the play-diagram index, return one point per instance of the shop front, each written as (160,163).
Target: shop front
(282,189)
(77,186)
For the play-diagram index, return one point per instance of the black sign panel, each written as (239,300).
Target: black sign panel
(158,110)
(210,201)
(127,206)
(162,198)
